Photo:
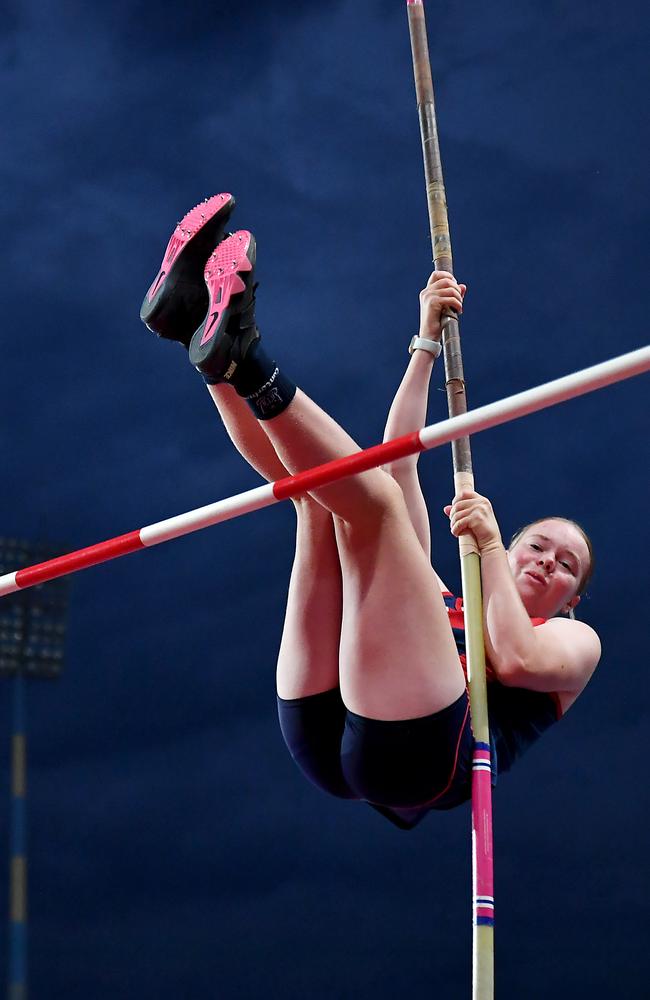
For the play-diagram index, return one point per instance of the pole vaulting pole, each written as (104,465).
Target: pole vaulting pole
(482,859)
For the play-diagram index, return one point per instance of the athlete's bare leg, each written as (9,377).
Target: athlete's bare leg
(398,658)
(308,662)
(397,655)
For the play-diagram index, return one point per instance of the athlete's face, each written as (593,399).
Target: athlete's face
(547,563)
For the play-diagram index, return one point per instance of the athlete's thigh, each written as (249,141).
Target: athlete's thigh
(398,658)
(308,661)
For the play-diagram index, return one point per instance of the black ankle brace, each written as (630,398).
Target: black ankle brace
(273,397)
(259,380)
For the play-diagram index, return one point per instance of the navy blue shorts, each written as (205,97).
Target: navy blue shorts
(410,766)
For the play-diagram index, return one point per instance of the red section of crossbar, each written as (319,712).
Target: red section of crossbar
(330,472)
(81,559)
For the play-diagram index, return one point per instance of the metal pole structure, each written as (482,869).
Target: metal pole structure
(482,855)
(511,408)
(17,987)
(32,631)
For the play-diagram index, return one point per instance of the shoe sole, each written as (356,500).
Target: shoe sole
(211,346)
(177,300)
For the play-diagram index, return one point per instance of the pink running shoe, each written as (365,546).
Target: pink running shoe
(228,329)
(177,301)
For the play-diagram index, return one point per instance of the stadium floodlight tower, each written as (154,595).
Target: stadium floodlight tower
(32,632)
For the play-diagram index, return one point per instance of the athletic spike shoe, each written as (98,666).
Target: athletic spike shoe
(177,301)
(228,330)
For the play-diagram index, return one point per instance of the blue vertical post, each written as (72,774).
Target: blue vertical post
(17,986)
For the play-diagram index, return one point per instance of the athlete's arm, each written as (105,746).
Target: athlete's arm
(565,656)
(559,655)
(407,414)
(408,411)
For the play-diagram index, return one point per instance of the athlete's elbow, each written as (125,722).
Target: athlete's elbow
(510,671)
(537,675)
(402,469)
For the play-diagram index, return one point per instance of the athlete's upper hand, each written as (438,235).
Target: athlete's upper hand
(442,292)
(471,512)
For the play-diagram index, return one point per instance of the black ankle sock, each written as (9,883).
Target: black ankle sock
(259,380)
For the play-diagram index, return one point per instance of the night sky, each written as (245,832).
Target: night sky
(174,849)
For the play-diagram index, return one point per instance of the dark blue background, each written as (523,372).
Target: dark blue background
(175,851)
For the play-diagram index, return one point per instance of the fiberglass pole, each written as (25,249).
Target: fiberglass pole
(482,863)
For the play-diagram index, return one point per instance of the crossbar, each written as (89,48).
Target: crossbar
(511,408)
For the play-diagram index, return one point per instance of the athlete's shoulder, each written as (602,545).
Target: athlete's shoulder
(577,630)
(574,642)
(562,658)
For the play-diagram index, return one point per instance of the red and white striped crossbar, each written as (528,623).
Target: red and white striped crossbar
(481,419)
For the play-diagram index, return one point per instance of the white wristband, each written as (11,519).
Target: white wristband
(423,344)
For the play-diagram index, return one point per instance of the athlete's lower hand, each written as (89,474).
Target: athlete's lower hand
(442,292)
(470,512)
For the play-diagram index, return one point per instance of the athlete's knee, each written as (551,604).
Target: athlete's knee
(382,501)
(308,509)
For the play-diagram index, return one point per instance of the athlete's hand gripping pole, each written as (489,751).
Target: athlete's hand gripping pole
(483,891)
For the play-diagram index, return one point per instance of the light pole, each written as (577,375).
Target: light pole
(32,633)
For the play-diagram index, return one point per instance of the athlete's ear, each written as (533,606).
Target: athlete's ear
(573,603)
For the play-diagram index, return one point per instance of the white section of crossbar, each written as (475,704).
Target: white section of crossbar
(212,513)
(548,394)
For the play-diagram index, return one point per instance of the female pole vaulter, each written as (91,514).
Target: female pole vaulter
(372,692)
